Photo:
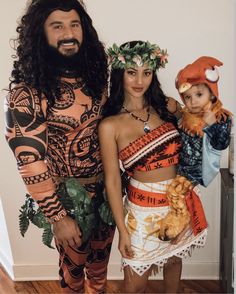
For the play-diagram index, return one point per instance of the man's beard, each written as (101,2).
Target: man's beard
(62,62)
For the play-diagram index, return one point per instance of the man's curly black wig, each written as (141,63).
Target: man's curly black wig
(31,66)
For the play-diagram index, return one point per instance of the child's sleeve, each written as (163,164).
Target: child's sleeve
(219,134)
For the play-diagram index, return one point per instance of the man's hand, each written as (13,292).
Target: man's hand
(67,232)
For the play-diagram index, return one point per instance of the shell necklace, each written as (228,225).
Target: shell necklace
(146,127)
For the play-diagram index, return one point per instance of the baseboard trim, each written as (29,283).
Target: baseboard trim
(35,272)
(191,271)
(201,271)
(7,265)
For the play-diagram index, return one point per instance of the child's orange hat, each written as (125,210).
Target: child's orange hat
(201,71)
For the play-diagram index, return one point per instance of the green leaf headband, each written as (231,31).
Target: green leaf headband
(125,57)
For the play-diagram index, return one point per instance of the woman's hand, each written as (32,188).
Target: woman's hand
(67,232)
(125,245)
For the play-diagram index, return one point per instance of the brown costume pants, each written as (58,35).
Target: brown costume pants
(91,258)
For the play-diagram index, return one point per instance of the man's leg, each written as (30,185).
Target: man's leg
(72,262)
(97,261)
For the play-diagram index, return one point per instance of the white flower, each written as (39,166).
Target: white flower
(138,60)
(121,58)
(152,56)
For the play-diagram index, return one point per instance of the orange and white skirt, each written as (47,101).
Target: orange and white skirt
(145,205)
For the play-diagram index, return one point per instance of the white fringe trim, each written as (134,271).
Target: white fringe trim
(186,251)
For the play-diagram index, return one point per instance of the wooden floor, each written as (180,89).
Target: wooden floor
(7,286)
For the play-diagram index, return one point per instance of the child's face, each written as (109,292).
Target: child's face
(197,98)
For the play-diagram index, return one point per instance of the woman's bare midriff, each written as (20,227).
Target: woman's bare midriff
(157,175)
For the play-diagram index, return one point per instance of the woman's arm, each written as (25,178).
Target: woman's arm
(109,154)
(174,107)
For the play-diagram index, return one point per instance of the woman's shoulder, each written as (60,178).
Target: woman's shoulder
(174,107)
(107,123)
(111,124)
(112,119)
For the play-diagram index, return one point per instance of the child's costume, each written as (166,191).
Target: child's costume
(202,145)
(200,156)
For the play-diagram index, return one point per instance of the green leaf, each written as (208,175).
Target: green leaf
(87,224)
(39,219)
(26,213)
(76,201)
(77,191)
(23,221)
(64,197)
(47,236)
(106,213)
(144,50)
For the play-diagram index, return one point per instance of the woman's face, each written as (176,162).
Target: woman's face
(137,80)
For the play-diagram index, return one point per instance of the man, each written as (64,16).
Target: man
(57,90)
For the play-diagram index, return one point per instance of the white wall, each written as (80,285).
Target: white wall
(188,29)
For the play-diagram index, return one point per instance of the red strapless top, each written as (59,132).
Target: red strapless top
(156,149)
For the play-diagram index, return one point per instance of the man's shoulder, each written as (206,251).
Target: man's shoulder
(23,96)
(23,91)
(21,87)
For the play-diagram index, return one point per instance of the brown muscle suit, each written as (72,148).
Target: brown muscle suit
(57,90)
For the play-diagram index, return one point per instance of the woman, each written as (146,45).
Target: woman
(139,131)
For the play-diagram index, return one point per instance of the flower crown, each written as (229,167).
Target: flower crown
(125,57)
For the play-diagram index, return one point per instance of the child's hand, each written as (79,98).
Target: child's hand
(208,115)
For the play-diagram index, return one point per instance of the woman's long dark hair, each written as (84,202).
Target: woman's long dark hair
(154,96)
(31,65)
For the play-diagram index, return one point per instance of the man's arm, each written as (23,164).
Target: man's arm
(26,134)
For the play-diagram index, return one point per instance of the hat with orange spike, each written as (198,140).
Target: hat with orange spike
(201,71)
